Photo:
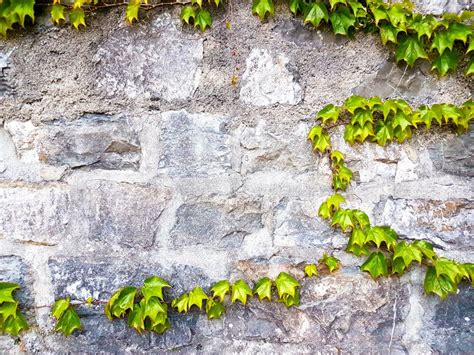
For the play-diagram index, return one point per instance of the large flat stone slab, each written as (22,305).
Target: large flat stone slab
(127,214)
(269,80)
(98,141)
(195,145)
(34,213)
(157,62)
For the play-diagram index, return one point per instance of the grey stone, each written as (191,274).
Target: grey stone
(453,323)
(213,225)
(391,80)
(268,80)
(123,213)
(158,62)
(446,223)
(438,7)
(6,85)
(34,213)
(15,269)
(295,31)
(194,145)
(454,156)
(98,141)
(295,228)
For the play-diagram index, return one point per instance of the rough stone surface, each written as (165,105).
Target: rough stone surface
(117,212)
(93,141)
(34,213)
(194,145)
(155,149)
(157,63)
(268,80)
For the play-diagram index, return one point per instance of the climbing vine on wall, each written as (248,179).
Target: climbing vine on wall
(382,122)
(445,42)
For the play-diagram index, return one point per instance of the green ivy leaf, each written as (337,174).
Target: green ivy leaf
(14,325)
(60,307)
(451,113)
(203,19)
(153,287)
(407,253)
(68,322)
(181,303)
(57,13)
(131,12)
(361,117)
(356,249)
(136,317)
(291,301)
(358,237)
(376,265)
(409,50)
(311,270)
(389,33)
(333,3)
(197,2)
(389,107)
(154,310)
(296,6)
(402,134)
(337,157)
(343,218)
(398,15)
(440,285)
(188,13)
(468,271)
(354,103)
(382,234)
(121,302)
(361,133)
(383,132)
(329,112)
(425,115)
(161,328)
(342,20)
(424,25)
(358,9)
(317,12)
(349,134)
(331,262)
(379,12)
(286,285)
(263,288)
(196,296)
(214,309)
(6,291)
(262,7)
(240,292)
(22,8)
(442,41)
(220,289)
(445,62)
(459,32)
(449,268)
(401,120)
(319,138)
(76,17)
(7,309)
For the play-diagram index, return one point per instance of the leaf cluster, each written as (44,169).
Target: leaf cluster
(445,41)
(12,320)
(144,308)
(197,15)
(66,316)
(385,121)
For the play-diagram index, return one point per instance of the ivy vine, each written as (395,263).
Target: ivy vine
(445,42)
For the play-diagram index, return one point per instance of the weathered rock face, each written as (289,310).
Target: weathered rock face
(93,141)
(159,62)
(130,151)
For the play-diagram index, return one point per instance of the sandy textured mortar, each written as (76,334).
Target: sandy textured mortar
(126,151)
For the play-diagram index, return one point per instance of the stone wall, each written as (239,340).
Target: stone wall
(126,151)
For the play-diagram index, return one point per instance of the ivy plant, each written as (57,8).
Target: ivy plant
(12,320)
